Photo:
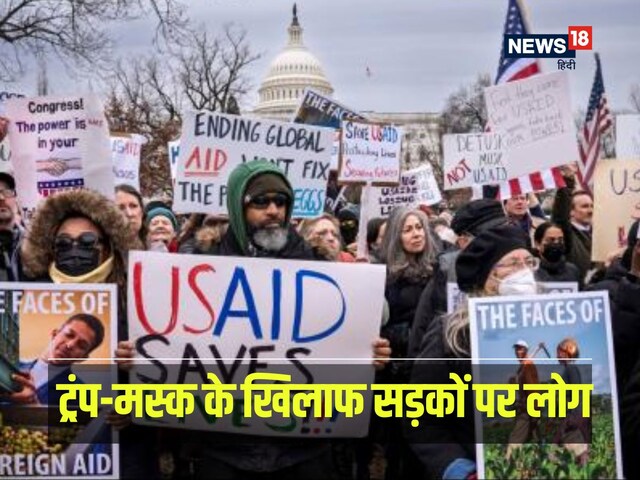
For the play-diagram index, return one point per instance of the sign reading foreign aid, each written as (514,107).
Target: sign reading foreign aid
(213,144)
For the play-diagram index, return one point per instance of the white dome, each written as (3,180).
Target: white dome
(293,70)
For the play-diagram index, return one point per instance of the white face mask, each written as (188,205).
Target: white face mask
(521,282)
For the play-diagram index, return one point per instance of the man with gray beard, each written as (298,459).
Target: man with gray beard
(260,202)
(10,232)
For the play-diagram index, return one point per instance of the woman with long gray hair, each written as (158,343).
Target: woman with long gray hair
(409,251)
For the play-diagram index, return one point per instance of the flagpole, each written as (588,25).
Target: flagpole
(526,20)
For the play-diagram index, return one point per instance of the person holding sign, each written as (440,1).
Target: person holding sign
(496,262)
(80,236)
(260,204)
(573,211)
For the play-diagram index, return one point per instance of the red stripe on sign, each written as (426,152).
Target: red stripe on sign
(536,181)
(558,178)
(514,186)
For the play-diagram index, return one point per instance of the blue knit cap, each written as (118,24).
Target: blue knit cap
(165,212)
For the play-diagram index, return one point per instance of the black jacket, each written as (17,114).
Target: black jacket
(561,271)
(439,441)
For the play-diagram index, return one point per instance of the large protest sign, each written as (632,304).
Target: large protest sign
(562,339)
(125,153)
(535,120)
(369,153)
(213,144)
(5,150)
(231,316)
(59,143)
(317,109)
(616,204)
(417,187)
(628,136)
(48,330)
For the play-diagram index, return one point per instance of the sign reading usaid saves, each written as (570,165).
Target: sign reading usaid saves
(213,144)
(191,315)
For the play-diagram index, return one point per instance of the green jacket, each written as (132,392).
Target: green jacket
(236,186)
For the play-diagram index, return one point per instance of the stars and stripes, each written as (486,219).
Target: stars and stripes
(597,121)
(510,70)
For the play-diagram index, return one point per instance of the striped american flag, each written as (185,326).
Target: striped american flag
(596,123)
(509,70)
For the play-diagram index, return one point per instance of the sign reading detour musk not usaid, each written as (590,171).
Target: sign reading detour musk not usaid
(535,122)
(213,144)
(234,316)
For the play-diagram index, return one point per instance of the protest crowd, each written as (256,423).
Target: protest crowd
(423,269)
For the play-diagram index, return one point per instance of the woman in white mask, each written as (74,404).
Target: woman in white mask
(496,262)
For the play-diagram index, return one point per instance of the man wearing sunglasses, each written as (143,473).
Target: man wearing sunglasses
(260,203)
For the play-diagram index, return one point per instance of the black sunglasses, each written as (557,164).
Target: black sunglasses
(87,240)
(262,202)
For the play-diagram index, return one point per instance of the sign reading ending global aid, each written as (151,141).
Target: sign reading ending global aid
(213,144)
(192,315)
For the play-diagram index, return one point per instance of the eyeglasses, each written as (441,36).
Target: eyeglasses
(86,240)
(530,262)
(7,193)
(262,202)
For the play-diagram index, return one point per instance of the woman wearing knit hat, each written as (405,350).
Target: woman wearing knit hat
(162,227)
(496,262)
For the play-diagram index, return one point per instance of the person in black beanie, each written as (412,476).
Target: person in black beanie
(496,262)
(468,222)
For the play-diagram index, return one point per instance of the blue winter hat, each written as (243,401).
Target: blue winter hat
(165,212)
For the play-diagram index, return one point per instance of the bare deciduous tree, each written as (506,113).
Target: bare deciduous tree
(148,94)
(465,110)
(74,31)
(634,97)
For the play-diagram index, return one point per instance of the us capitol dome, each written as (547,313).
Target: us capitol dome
(293,69)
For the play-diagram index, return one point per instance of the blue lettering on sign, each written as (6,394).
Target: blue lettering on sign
(308,202)
(239,279)
(297,321)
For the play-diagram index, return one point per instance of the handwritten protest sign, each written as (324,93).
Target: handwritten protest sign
(173,149)
(565,339)
(628,136)
(616,205)
(125,153)
(249,313)
(536,122)
(37,322)
(5,150)
(370,153)
(213,144)
(417,187)
(58,143)
(474,159)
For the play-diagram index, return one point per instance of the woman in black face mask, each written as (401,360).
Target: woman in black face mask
(550,247)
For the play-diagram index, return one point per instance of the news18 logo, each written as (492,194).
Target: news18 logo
(549,46)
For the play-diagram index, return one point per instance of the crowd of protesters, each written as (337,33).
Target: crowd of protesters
(489,247)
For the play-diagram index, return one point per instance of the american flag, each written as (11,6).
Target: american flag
(596,123)
(509,70)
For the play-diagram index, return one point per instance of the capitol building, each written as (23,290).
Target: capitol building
(296,68)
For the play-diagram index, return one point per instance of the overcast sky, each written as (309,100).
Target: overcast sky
(418,51)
